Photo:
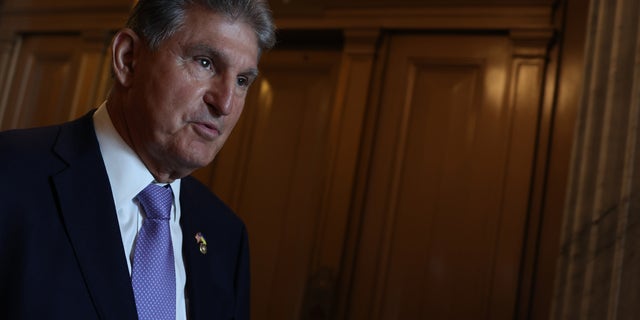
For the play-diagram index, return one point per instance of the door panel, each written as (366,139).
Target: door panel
(54,80)
(440,169)
(42,90)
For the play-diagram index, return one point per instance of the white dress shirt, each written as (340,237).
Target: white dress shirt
(127,177)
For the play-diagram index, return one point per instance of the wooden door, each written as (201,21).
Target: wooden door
(56,78)
(446,195)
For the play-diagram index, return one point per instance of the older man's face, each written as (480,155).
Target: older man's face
(187,95)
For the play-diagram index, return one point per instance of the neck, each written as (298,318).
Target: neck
(117,113)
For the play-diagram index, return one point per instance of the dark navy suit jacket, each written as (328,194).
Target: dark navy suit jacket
(61,253)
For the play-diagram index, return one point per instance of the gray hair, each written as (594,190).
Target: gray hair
(157,20)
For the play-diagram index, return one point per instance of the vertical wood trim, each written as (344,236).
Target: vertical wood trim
(12,113)
(533,234)
(346,299)
(104,80)
(562,95)
(89,72)
(9,51)
(391,208)
(529,67)
(527,79)
(531,49)
(345,134)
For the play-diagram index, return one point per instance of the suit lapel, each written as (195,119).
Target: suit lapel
(217,280)
(88,213)
(195,263)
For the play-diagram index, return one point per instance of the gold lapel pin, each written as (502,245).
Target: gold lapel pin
(202,242)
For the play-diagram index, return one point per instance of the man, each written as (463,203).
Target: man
(98,217)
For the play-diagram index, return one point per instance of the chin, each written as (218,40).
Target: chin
(198,162)
(195,155)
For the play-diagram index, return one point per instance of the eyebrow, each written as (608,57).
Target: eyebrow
(217,56)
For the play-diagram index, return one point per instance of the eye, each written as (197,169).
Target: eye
(243,82)
(204,62)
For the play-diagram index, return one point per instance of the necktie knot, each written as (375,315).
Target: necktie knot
(156,201)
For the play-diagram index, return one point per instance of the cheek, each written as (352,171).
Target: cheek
(174,88)
(175,108)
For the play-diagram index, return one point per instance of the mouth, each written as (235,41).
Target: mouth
(207,130)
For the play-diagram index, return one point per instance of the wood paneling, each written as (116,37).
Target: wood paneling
(347,125)
(424,17)
(525,103)
(42,90)
(63,5)
(54,80)
(8,55)
(403,180)
(307,7)
(447,196)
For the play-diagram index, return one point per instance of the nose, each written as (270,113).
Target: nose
(219,96)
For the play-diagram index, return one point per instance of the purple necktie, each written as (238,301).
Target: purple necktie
(153,273)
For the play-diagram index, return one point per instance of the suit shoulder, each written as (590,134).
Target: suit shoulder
(27,140)
(27,150)
(39,139)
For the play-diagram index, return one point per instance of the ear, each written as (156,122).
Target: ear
(124,49)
